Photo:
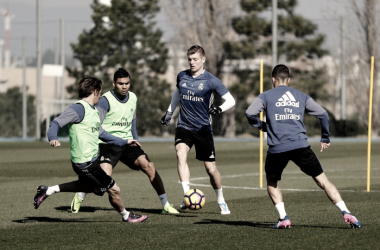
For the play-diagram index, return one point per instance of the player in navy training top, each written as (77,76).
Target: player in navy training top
(195,93)
(285,108)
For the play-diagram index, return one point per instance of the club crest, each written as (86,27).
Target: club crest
(200,87)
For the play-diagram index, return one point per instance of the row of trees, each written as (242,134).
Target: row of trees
(124,35)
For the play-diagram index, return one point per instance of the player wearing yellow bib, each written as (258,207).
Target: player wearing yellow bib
(84,126)
(117,110)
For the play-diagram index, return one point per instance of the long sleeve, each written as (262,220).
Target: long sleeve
(252,113)
(314,108)
(229,102)
(175,101)
(73,114)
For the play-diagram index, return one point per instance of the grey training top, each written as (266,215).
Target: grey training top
(285,108)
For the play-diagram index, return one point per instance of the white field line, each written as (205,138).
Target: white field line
(264,189)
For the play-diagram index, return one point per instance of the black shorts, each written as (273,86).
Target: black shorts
(304,158)
(95,177)
(203,141)
(112,154)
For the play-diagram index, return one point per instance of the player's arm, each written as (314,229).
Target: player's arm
(103,108)
(134,129)
(314,108)
(165,120)
(229,102)
(222,91)
(73,114)
(252,114)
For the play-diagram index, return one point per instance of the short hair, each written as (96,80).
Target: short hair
(88,85)
(196,49)
(120,73)
(281,72)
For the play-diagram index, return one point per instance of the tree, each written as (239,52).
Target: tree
(300,43)
(11,113)
(362,46)
(206,23)
(124,36)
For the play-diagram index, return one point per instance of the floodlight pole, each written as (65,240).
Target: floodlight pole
(343,71)
(274,33)
(24,110)
(63,63)
(38,94)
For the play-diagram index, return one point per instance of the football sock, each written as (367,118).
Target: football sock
(342,206)
(185,186)
(52,190)
(163,199)
(124,214)
(219,196)
(81,195)
(280,207)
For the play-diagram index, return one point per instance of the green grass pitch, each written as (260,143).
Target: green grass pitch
(316,223)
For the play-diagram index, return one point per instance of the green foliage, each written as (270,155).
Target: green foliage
(11,113)
(256,40)
(128,40)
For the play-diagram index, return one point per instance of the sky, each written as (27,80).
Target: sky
(77,16)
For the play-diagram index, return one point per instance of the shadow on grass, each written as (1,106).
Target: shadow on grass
(238,223)
(48,219)
(264,224)
(85,209)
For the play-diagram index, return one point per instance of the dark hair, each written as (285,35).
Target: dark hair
(280,72)
(88,85)
(120,73)
(196,49)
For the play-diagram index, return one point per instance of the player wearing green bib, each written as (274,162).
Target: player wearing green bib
(117,110)
(84,129)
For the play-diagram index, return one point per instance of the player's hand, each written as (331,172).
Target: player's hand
(55,143)
(324,145)
(165,120)
(134,143)
(214,111)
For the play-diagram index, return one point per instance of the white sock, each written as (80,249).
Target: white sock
(342,206)
(280,207)
(81,195)
(124,214)
(185,186)
(52,190)
(163,199)
(219,196)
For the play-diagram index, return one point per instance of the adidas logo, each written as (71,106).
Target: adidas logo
(212,155)
(287,99)
(184,85)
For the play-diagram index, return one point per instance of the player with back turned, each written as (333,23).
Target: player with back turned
(195,94)
(285,108)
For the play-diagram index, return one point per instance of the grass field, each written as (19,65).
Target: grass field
(316,223)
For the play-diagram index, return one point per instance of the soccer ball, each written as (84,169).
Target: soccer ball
(194,199)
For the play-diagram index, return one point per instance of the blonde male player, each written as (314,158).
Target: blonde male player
(195,94)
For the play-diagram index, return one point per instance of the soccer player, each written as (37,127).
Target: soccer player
(117,110)
(285,108)
(84,125)
(195,93)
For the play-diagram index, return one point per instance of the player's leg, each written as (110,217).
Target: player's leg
(44,192)
(136,158)
(310,165)
(274,166)
(205,151)
(101,183)
(108,157)
(182,151)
